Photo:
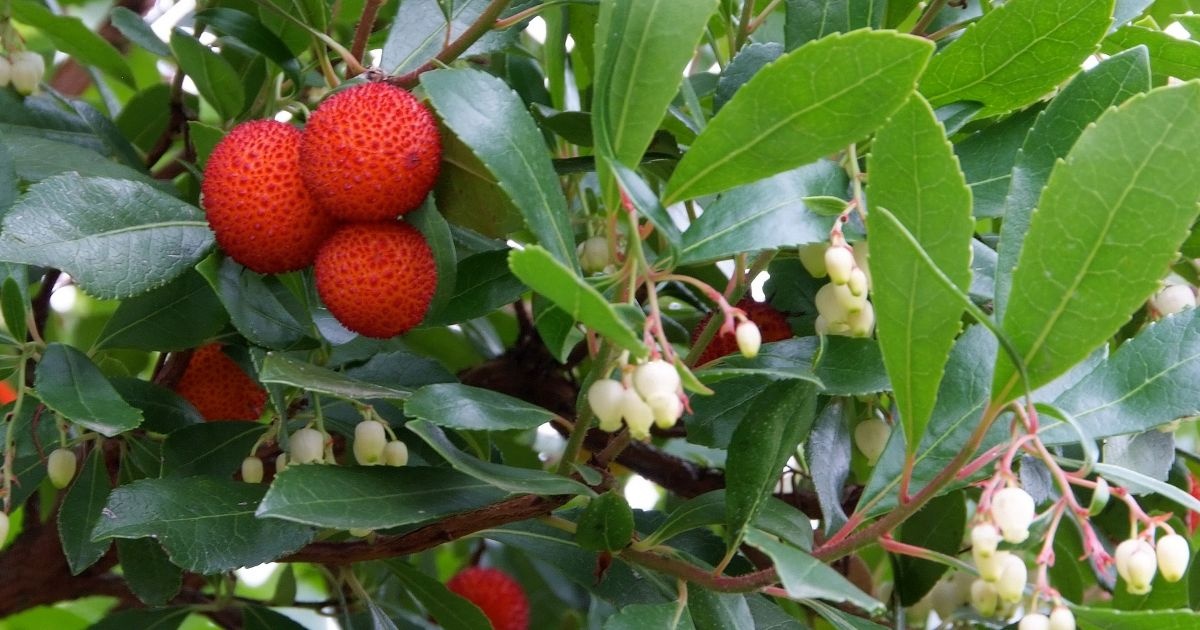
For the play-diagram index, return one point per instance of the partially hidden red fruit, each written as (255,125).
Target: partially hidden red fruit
(7,393)
(495,593)
(256,204)
(376,278)
(218,388)
(771,323)
(370,153)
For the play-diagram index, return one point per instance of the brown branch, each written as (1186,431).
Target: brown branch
(362,32)
(481,27)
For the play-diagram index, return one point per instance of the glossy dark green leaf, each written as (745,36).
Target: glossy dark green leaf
(1104,619)
(148,619)
(915,175)
(490,118)
(182,314)
(774,517)
(117,238)
(70,384)
(372,497)
(253,33)
(829,444)
(714,418)
(71,36)
(666,616)
(212,448)
(556,328)
(80,511)
(278,368)
(483,284)
(263,618)
(206,525)
(807,20)
(163,411)
(839,619)
(148,571)
(464,407)
(1108,223)
(14,308)
(748,61)
(987,158)
(147,114)
(719,611)
(213,75)
(418,33)
(451,611)
(260,307)
(772,124)
(805,577)
(1169,55)
(939,526)
(136,30)
(606,524)
(1016,53)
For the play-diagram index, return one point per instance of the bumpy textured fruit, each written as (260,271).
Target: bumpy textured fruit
(499,596)
(376,278)
(772,326)
(7,393)
(218,388)
(370,153)
(61,466)
(262,214)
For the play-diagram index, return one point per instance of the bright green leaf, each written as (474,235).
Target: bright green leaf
(180,315)
(213,75)
(805,577)
(70,384)
(278,368)
(464,407)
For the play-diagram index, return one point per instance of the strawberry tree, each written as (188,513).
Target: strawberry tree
(624,314)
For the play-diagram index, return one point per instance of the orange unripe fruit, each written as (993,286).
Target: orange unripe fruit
(376,278)
(370,153)
(260,211)
(218,388)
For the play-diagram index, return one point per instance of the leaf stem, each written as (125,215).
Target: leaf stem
(480,27)
(362,32)
(927,17)
(744,21)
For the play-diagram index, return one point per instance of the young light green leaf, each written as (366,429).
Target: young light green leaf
(214,77)
(277,368)
(81,510)
(805,577)
(181,315)
(606,524)
(544,274)
(490,118)
(1108,224)
(915,175)
(464,407)
(1170,56)
(117,238)
(1016,53)
(70,384)
(852,83)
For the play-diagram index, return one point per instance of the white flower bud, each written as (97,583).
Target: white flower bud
(946,598)
(871,436)
(1013,511)
(395,453)
(749,339)
(839,262)
(666,407)
(369,440)
(828,304)
(1173,299)
(60,466)
(638,415)
(604,396)
(1062,619)
(281,463)
(861,253)
(1034,621)
(1136,563)
(593,254)
(252,470)
(850,303)
(857,283)
(813,259)
(862,323)
(1099,497)
(27,70)
(985,538)
(821,325)
(984,597)
(1013,575)
(5,71)
(1173,555)
(991,566)
(654,377)
(306,446)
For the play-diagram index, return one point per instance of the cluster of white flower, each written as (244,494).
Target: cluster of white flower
(842,305)
(655,398)
(24,69)
(1138,561)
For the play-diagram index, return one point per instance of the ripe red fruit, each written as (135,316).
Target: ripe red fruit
(495,593)
(7,393)
(218,388)
(262,214)
(771,323)
(370,153)
(376,278)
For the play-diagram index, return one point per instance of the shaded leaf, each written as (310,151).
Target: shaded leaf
(80,511)
(70,384)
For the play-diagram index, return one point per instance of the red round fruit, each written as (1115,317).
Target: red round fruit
(256,204)
(376,278)
(499,596)
(218,388)
(370,153)
(772,324)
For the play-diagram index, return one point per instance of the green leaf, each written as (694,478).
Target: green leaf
(147,114)
(1138,483)
(263,618)
(642,49)
(1016,53)
(419,32)
(915,175)
(136,30)
(372,497)
(768,435)
(14,309)
(767,214)
(117,238)
(846,367)
(70,384)
(806,20)
(666,616)
(722,611)
(774,517)
(556,328)
(436,230)
(464,407)
(748,61)
(841,620)
(1108,224)
(81,510)
(260,307)
(483,284)
(211,448)
(939,525)
(206,525)
(36,158)
(805,577)
(987,157)
(509,478)
(73,37)
(452,611)
(278,368)
(1169,56)
(606,524)
(774,123)
(156,619)
(491,119)
(537,268)
(181,315)
(830,444)
(1105,618)
(148,571)
(253,33)
(163,411)
(1055,131)
(214,77)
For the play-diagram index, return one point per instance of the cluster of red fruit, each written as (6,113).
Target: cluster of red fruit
(279,200)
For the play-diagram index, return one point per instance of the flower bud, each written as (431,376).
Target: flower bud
(861,253)
(850,303)
(946,598)
(667,408)
(1173,555)
(821,325)
(862,323)
(3,528)
(604,396)
(813,259)
(369,440)
(281,463)
(395,453)
(1173,299)
(638,415)
(1034,621)
(1136,564)
(984,597)
(1013,511)
(839,262)
(28,68)
(985,538)
(593,254)
(991,566)
(60,466)
(1062,619)
(749,339)
(306,446)
(5,71)
(1013,575)
(252,470)
(359,532)
(857,283)
(1099,497)
(871,436)
(829,305)
(654,377)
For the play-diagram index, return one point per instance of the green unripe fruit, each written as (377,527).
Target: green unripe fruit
(61,467)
